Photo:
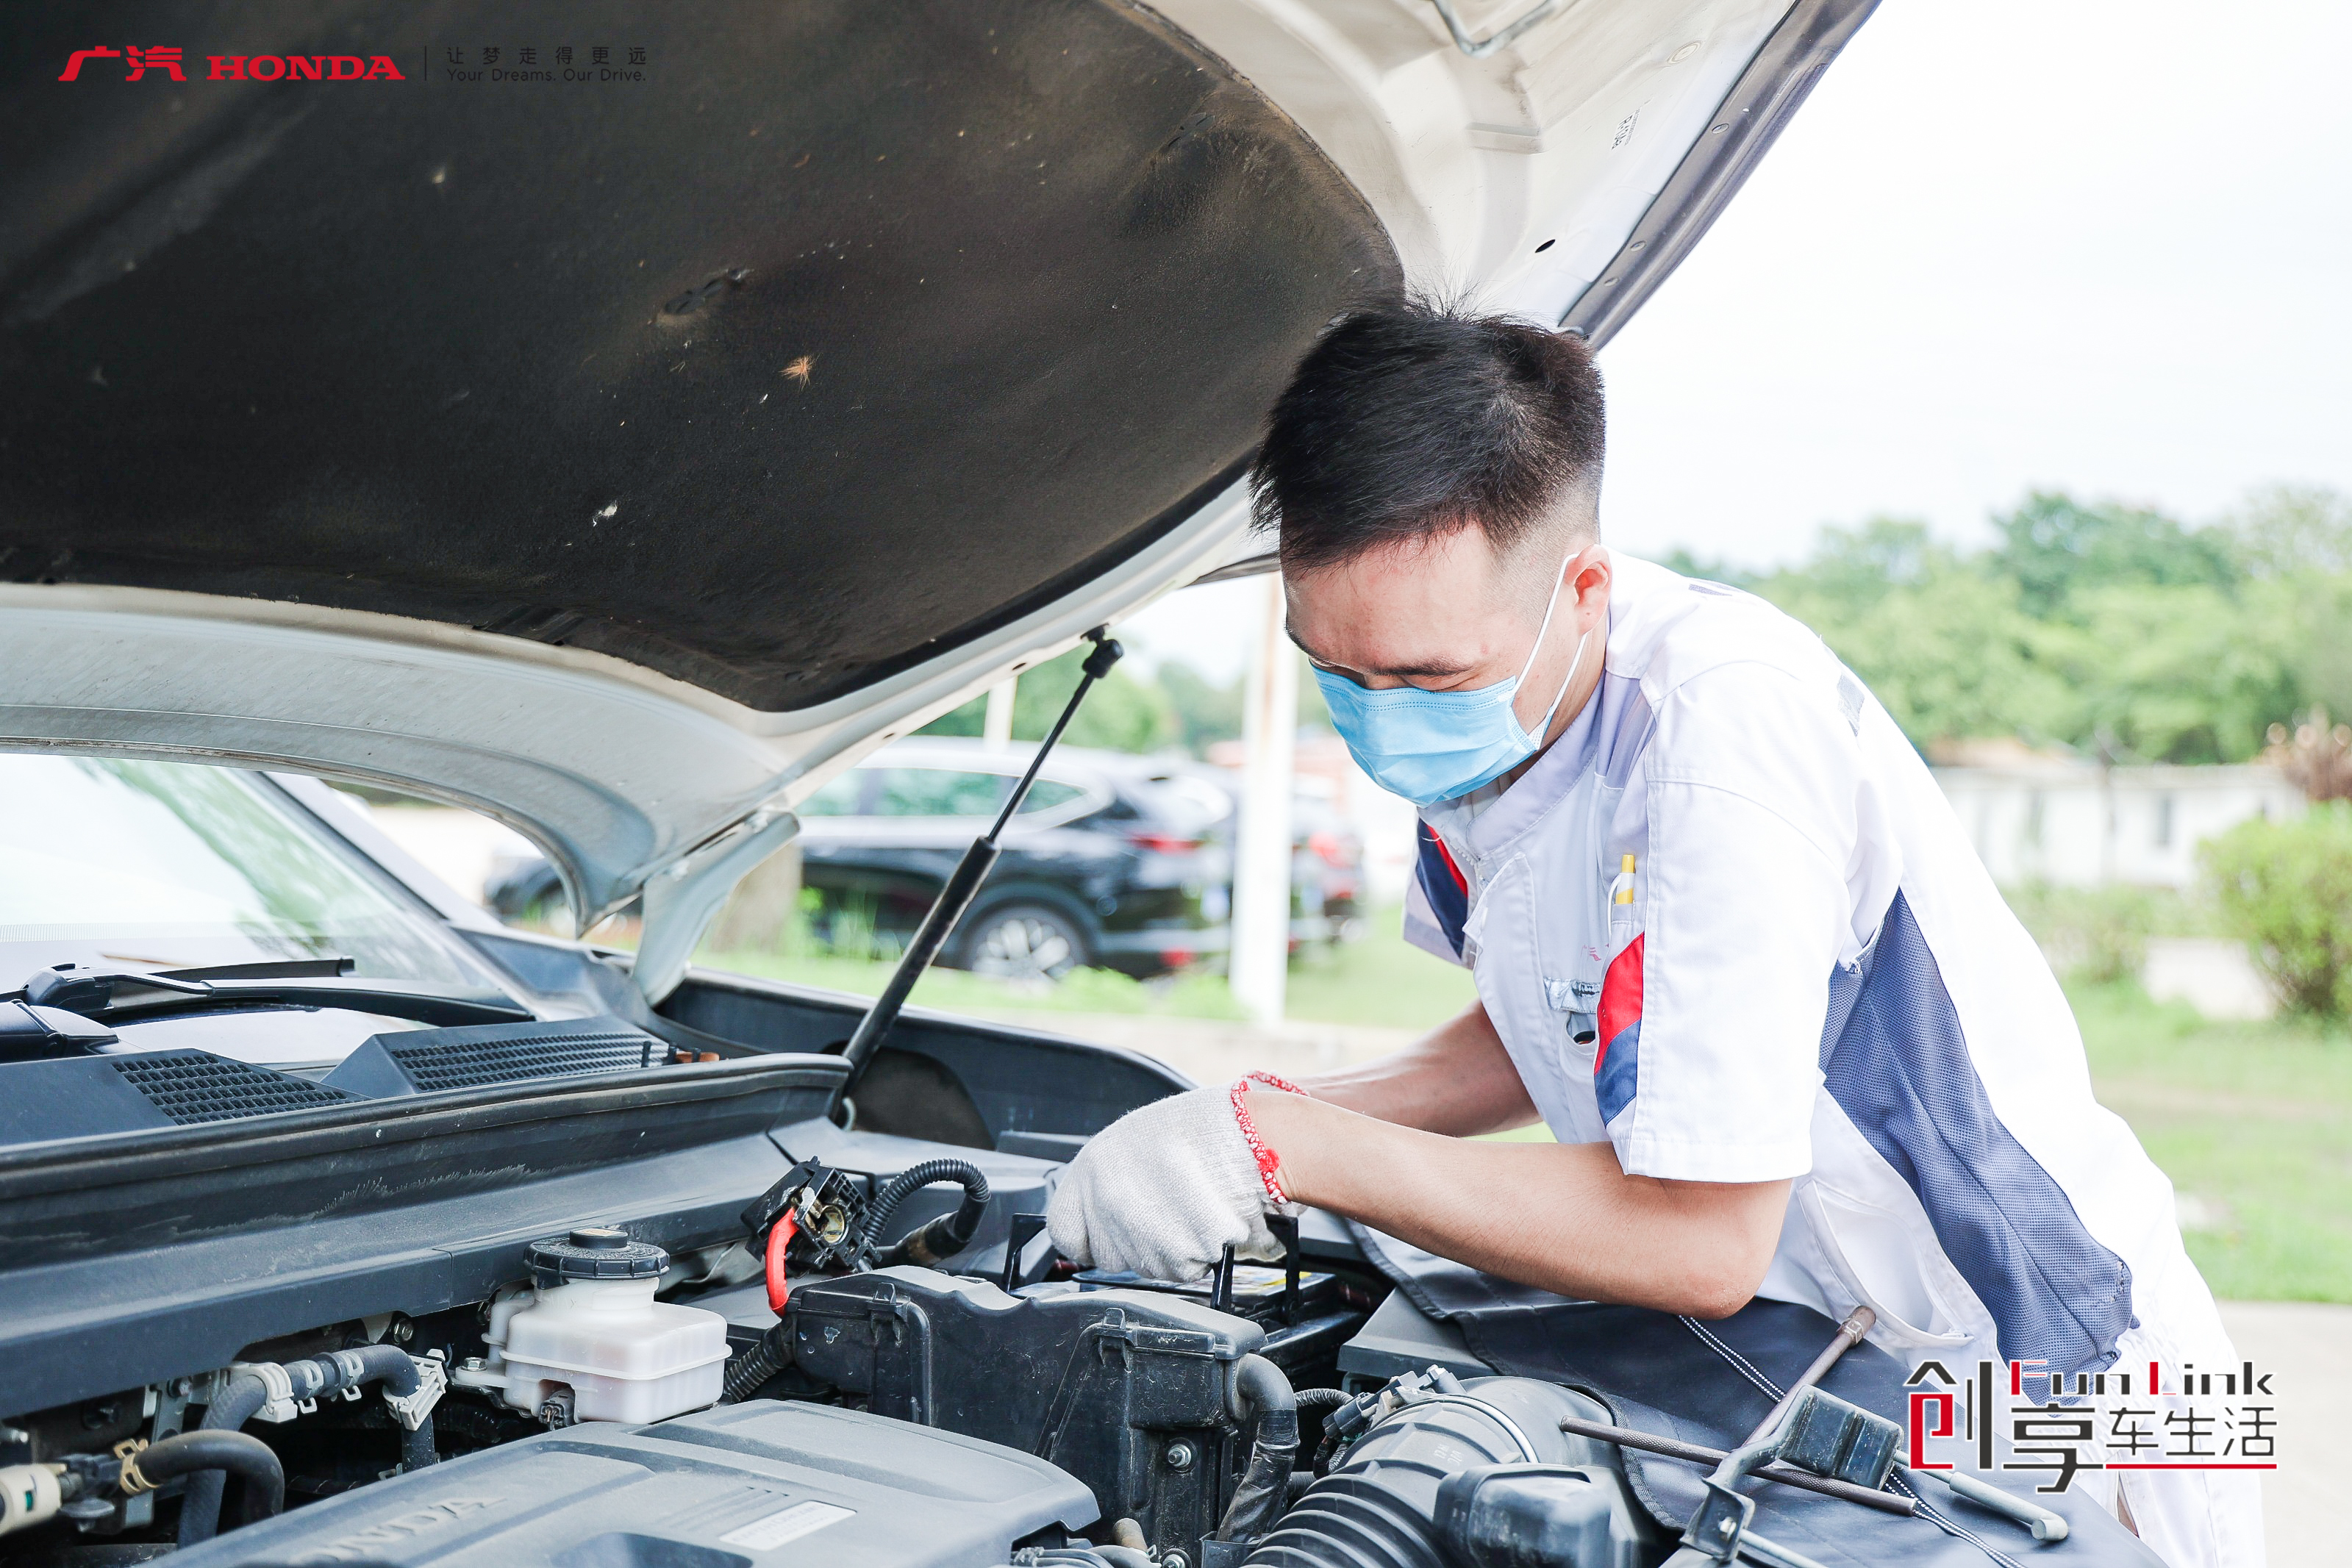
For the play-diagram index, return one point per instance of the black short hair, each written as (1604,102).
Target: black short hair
(1411,421)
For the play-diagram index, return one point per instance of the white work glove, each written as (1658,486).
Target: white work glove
(1162,1190)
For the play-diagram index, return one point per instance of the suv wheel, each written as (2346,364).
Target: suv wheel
(1023,942)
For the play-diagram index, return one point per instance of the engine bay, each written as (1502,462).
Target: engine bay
(601,1294)
(940,1386)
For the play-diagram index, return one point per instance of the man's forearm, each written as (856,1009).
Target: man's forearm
(1561,1217)
(1456,1080)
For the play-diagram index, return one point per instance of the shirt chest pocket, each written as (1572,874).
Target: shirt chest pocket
(1571,945)
(1539,977)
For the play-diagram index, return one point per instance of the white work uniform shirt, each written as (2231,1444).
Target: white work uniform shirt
(1816,979)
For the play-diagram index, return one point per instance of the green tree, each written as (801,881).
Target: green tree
(2109,628)
(2055,546)
(1852,570)
(1945,647)
(2297,540)
(1204,712)
(2179,674)
(2285,529)
(1707,569)
(1207,713)
(2313,613)
(1121,714)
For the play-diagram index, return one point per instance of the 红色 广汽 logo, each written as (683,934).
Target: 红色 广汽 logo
(167,62)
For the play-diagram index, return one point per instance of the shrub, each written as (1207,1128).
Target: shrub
(2286,889)
(2094,934)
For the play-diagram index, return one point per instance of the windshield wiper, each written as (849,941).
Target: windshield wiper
(90,990)
(268,969)
(109,995)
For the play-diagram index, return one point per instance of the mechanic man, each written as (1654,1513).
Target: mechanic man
(1731,945)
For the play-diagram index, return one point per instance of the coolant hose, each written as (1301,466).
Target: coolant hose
(397,1371)
(200,1453)
(1261,1389)
(943,1237)
(231,1409)
(247,1393)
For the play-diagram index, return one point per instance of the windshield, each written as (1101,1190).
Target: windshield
(176,865)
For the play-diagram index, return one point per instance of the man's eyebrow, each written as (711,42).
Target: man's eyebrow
(1399,672)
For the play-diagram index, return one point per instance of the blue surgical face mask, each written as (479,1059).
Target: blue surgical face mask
(1434,745)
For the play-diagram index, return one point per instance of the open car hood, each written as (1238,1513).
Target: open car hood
(621,457)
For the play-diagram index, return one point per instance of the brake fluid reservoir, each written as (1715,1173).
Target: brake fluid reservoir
(591,1324)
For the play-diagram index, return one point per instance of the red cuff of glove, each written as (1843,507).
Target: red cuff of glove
(1269,1161)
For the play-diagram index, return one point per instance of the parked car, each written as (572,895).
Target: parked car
(1112,859)
(1327,873)
(629,462)
(1115,860)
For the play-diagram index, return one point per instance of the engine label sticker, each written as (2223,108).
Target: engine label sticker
(771,1531)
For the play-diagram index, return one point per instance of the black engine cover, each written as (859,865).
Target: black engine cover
(1127,1390)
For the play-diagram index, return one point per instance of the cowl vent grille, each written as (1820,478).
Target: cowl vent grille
(424,1061)
(432,1067)
(193,1086)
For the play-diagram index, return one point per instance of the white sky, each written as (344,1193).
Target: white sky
(2073,244)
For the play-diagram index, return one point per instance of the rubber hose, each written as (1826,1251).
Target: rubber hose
(220,1454)
(397,1370)
(1264,1491)
(749,1372)
(388,1364)
(231,1409)
(1125,1557)
(943,1237)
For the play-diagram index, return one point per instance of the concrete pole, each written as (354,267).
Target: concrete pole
(1260,965)
(996,723)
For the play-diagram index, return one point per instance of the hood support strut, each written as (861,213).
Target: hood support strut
(964,885)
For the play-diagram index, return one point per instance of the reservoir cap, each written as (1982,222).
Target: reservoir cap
(595,1254)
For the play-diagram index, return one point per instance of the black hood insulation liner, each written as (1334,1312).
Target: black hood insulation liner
(841,337)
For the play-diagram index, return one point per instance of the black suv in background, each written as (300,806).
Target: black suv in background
(1115,860)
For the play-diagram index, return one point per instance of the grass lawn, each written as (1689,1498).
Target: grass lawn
(2253,1123)
(1380,980)
(954,990)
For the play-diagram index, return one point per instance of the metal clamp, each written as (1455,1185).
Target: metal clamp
(128,1451)
(1721,1521)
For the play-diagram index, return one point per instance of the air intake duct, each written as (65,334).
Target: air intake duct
(1378,1506)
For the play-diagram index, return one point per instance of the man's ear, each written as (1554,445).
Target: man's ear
(1592,577)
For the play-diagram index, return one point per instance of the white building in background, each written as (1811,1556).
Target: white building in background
(2063,820)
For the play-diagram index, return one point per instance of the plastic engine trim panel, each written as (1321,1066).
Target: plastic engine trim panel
(736,1486)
